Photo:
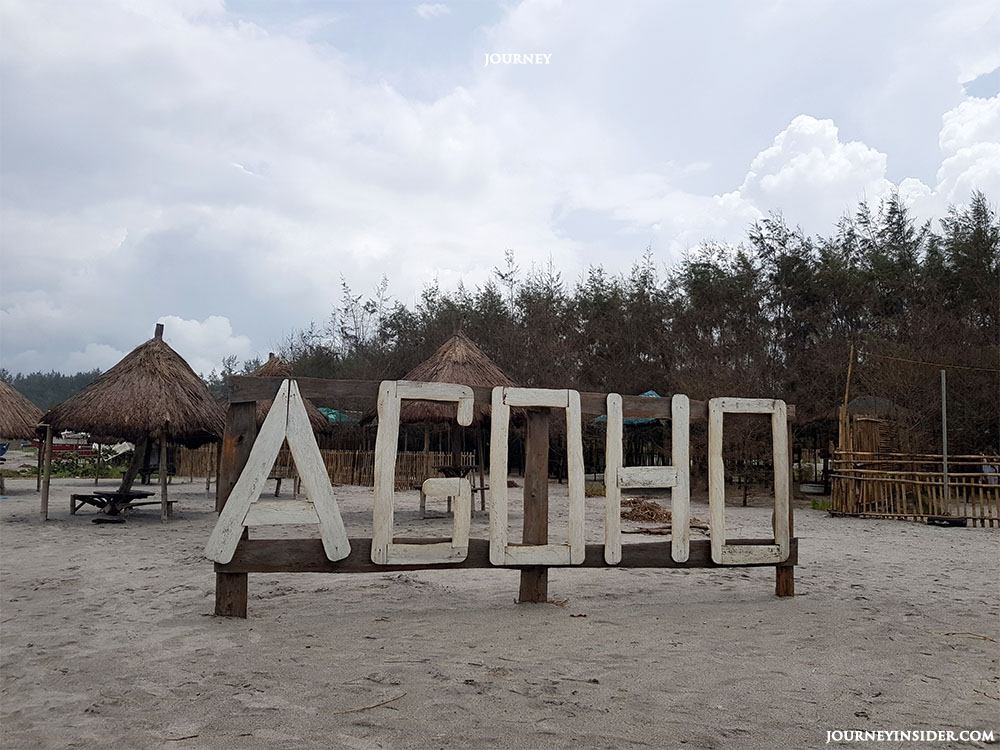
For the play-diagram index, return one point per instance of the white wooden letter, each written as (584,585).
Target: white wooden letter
(287,419)
(676,477)
(743,554)
(384,550)
(501,552)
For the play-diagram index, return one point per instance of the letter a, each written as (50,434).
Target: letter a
(287,419)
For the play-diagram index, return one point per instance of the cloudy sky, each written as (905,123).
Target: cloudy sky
(218,166)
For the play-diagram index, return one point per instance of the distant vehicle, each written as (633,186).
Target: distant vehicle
(70,442)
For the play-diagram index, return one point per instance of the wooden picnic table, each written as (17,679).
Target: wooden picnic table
(116,501)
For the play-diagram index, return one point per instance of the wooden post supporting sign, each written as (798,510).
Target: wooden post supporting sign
(241,429)
(784,573)
(535,580)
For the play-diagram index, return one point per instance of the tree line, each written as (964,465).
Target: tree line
(775,316)
(47,389)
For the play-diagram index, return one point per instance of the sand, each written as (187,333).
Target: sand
(108,640)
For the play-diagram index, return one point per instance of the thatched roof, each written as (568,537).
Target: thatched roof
(18,416)
(457,360)
(276,367)
(150,392)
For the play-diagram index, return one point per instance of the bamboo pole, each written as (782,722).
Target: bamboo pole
(944,438)
(847,385)
(930,457)
(209,469)
(163,475)
(47,468)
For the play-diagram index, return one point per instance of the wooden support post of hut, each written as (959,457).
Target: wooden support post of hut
(47,462)
(163,473)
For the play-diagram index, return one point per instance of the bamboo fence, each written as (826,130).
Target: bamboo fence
(912,486)
(198,462)
(355,467)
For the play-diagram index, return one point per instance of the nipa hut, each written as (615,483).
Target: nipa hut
(283,468)
(151,395)
(457,360)
(18,417)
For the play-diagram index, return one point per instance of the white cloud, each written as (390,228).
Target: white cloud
(814,177)
(205,343)
(166,158)
(94,357)
(432,10)
(971,122)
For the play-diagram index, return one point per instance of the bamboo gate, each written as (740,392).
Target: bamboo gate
(914,486)
(874,475)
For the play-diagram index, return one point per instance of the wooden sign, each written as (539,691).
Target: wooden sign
(676,477)
(286,420)
(236,556)
(733,554)
(385,551)
(501,552)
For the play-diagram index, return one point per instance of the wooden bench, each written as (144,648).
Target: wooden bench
(79,500)
(170,506)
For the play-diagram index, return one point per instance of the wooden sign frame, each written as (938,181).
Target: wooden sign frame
(286,420)
(309,555)
(677,477)
(737,554)
(385,550)
(501,551)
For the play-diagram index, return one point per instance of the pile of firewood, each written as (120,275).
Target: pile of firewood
(646,511)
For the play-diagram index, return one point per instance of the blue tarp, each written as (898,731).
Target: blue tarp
(633,420)
(338,417)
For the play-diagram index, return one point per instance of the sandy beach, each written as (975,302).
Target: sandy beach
(109,641)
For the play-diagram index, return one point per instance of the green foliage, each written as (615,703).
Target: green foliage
(46,389)
(70,464)
(774,316)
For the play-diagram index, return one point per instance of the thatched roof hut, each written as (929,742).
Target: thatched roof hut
(276,367)
(151,393)
(457,360)
(18,416)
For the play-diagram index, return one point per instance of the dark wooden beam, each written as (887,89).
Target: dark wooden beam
(241,431)
(325,392)
(307,556)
